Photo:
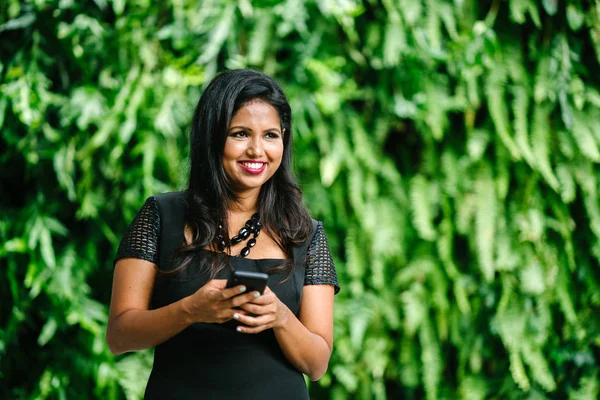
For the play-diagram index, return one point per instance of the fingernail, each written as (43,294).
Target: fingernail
(256,294)
(242,289)
(235,316)
(239,329)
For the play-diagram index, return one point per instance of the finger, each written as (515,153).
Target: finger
(255,309)
(228,315)
(265,299)
(252,330)
(231,292)
(253,321)
(243,299)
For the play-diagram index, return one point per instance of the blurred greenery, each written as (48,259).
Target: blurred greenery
(450,147)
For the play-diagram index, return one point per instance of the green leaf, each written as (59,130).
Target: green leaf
(498,111)
(422,207)
(485,222)
(584,138)
(15,245)
(575,16)
(260,38)
(46,248)
(22,22)
(48,332)
(550,6)
(541,138)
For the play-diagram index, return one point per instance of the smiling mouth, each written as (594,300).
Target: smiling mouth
(253,167)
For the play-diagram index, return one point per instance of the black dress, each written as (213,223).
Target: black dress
(214,361)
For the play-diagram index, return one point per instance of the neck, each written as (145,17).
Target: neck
(246,202)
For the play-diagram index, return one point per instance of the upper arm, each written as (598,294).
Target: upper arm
(320,285)
(136,262)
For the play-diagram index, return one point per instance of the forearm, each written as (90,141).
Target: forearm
(307,351)
(141,329)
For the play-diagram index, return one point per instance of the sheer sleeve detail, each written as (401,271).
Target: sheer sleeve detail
(141,239)
(319,265)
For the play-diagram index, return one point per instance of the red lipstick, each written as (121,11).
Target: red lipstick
(253,171)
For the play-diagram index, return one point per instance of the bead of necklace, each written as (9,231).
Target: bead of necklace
(252,227)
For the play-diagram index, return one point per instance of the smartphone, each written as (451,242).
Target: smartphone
(254,281)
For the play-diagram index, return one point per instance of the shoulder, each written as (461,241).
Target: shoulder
(170,200)
(171,197)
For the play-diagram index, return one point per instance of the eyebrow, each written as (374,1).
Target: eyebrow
(248,129)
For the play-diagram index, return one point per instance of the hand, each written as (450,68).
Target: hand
(213,303)
(267,311)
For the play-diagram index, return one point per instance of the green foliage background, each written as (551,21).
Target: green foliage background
(450,147)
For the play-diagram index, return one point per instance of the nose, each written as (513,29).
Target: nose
(255,147)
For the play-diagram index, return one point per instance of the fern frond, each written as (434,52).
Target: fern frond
(585,138)
(477,143)
(331,164)
(408,360)
(538,366)
(355,190)
(567,184)
(532,278)
(431,359)
(485,222)
(346,377)
(411,11)
(541,140)
(466,208)
(494,90)
(473,388)
(436,103)
(260,37)
(133,373)
(507,258)
(363,145)
(415,309)
(355,265)
(394,41)
(520,110)
(421,205)
(433,27)
(589,387)
(564,297)
(517,370)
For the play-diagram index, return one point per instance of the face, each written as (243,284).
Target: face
(254,146)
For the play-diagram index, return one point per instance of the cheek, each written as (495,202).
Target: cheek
(276,151)
(230,150)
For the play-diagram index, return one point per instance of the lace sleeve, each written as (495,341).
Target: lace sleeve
(141,239)
(319,266)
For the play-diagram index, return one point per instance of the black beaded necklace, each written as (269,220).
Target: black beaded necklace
(252,227)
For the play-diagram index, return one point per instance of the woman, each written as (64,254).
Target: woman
(242,211)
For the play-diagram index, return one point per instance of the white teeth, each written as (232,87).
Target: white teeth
(253,165)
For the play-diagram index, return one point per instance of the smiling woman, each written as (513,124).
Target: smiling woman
(254,147)
(171,269)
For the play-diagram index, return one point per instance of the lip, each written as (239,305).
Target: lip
(252,171)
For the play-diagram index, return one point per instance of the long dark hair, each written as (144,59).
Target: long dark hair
(282,212)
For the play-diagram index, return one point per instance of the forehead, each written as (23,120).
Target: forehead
(257,111)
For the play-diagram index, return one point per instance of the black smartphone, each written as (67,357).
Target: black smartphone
(254,281)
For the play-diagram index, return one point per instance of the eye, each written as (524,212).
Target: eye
(238,134)
(272,135)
